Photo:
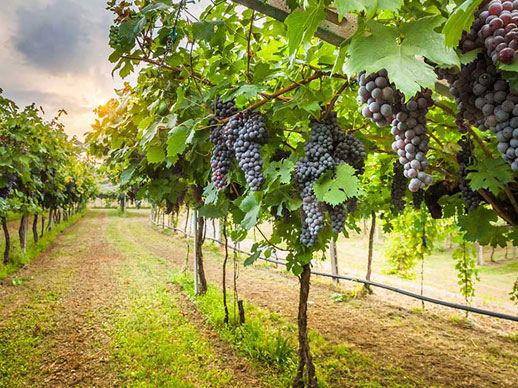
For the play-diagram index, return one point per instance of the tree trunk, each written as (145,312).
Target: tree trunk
(42,224)
(51,214)
(199,256)
(123,204)
(492,257)
(225,306)
(369,257)
(35,228)
(480,254)
(186,222)
(305,360)
(7,249)
(22,233)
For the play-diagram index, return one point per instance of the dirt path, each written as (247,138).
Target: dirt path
(65,325)
(431,345)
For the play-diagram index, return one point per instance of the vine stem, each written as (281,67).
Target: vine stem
(333,101)
(248,50)
(268,241)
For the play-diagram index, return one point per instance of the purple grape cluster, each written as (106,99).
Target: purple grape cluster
(221,159)
(328,146)
(487,101)
(10,183)
(418,198)
(465,159)
(496,30)
(242,137)
(398,188)
(411,141)
(380,96)
(247,147)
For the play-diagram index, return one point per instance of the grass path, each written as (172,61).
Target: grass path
(93,313)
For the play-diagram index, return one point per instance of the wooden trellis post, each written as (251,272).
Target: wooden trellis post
(195,237)
(334,261)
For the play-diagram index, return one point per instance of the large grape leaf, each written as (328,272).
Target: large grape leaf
(421,35)
(381,49)
(250,206)
(477,225)
(337,190)
(460,20)
(368,6)
(155,154)
(177,142)
(282,170)
(491,174)
(302,25)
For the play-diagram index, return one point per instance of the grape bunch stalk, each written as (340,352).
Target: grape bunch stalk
(465,159)
(411,139)
(221,159)
(328,146)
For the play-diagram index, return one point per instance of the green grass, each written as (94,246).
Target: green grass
(271,340)
(154,345)
(18,258)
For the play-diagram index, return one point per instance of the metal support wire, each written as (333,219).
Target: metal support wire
(410,294)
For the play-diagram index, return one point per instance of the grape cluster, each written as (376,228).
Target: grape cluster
(11,180)
(495,29)
(411,141)
(115,38)
(417,198)
(465,159)
(380,96)
(247,146)
(221,159)
(487,101)
(398,188)
(337,215)
(328,146)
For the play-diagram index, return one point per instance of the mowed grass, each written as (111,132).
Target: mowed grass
(154,344)
(268,342)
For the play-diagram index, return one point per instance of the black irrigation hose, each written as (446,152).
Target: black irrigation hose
(379,285)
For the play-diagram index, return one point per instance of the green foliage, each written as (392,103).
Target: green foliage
(460,20)
(466,265)
(410,241)
(492,174)
(338,188)
(514,292)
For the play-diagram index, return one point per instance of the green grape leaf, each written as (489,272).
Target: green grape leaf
(155,154)
(250,206)
(459,21)
(477,225)
(210,193)
(253,257)
(177,141)
(381,50)
(204,30)
(337,190)
(491,174)
(470,56)
(421,35)
(302,25)
(127,174)
(368,6)
(129,29)
(282,170)
(213,211)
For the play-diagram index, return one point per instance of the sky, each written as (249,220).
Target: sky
(55,53)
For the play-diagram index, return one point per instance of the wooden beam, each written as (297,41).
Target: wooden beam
(330,30)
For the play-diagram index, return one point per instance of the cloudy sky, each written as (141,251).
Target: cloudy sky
(54,53)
